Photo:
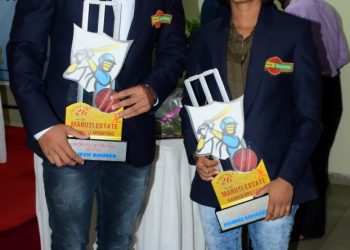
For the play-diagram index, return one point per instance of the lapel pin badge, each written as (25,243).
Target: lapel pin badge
(161,18)
(275,66)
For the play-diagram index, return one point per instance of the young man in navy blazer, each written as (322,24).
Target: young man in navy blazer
(70,182)
(281,112)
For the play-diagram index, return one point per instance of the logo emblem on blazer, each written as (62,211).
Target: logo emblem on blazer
(159,18)
(275,66)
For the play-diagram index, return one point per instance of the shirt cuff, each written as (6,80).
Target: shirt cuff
(37,136)
(156,97)
(156,102)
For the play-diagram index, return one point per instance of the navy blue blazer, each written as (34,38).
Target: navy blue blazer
(42,103)
(282,112)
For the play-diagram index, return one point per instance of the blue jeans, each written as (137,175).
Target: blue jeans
(120,191)
(272,235)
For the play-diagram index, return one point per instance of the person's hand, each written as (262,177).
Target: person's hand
(206,168)
(280,198)
(56,148)
(135,100)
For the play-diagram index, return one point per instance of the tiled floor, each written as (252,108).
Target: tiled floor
(337,235)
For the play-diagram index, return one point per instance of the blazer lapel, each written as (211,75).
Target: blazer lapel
(258,55)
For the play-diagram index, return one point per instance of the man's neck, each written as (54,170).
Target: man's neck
(245,15)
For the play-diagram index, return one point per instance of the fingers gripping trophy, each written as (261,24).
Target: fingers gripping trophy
(219,129)
(96,60)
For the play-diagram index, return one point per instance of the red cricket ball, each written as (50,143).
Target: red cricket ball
(103,101)
(244,160)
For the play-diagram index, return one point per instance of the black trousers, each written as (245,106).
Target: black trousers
(310,219)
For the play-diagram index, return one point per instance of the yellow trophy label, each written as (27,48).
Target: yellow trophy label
(232,187)
(89,120)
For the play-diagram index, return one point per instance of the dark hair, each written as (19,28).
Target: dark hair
(227,2)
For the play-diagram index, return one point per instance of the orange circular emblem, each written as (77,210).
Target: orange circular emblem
(270,65)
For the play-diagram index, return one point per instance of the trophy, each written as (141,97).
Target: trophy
(219,129)
(96,60)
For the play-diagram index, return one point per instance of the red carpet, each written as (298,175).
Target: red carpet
(17,182)
(22,237)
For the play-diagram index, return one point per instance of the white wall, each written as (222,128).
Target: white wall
(340,155)
(192,8)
